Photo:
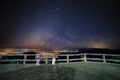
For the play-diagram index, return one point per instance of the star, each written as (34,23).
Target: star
(57,9)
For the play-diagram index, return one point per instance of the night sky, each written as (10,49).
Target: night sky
(60,24)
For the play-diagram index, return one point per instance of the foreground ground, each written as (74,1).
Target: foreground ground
(63,71)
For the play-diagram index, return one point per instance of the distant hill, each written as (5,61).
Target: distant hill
(98,50)
(95,50)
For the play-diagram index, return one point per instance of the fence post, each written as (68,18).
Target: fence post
(53,61)
(25,57)
(85,57)
(37,59)
(67,58)
(46,61)
(104,59)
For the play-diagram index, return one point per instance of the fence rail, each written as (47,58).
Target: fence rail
(24,58)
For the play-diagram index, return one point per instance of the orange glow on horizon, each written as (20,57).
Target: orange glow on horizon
(17,51)
(100,45)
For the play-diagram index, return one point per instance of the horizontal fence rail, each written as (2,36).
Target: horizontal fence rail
(36,58)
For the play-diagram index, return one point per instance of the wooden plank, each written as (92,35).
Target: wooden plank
(31,60)
(75,59)
(12,60)
(95,54)
(95,59)
(113,60)
(112,55)
(69,59)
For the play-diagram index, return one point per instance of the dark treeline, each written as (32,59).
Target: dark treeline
(94,50)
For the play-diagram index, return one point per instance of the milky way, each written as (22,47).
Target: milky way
(60,24)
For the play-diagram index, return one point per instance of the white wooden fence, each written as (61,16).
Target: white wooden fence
(61,58)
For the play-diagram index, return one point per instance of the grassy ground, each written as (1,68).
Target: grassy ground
(63,71)
(95,71)
(42,72)
(11,67)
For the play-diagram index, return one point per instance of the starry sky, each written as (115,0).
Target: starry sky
(60,24)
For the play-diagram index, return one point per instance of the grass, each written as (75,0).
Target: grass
(95,71)
(12,67)
(42,72)
(64,71)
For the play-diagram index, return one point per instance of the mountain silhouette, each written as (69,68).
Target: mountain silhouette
(94,50)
